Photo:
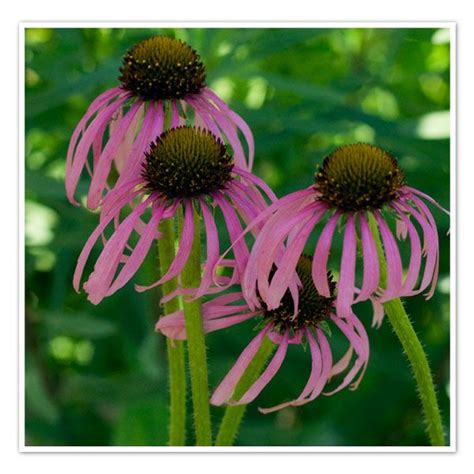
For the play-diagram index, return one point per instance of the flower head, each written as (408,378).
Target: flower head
(284,327)
(188,168)
(162,86)
(356,185)
(162,68)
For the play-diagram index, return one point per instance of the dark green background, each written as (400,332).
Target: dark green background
(97,375)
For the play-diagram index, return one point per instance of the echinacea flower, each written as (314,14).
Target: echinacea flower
(284,327)
(354,181)
(188,168)
(162,86)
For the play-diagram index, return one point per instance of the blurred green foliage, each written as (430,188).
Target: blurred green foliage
(97,375)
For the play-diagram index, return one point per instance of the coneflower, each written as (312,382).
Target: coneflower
(284,327)
(354,184)
(162,86)
(188,168)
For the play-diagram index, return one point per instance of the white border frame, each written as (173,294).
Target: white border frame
(239,449)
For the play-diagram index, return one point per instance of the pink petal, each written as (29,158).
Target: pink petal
(225,389)
(172,326)
(361,347)
(174,115)
(326,367)
(99,282)
(184,249)
(316,367)
(272,368)
(124,151)
(321,256)
(431,244)
(94,107)
(102,170)
(415,254)
(234,228)
(371,275)
(106,217)
(269,242)
(256,181)
(428,198)
(394,262)
(139,252)
(151,122)
(79,158)
(229,129)
(282,277)
(239,122)
(378,313)
(212,242)
(346,284)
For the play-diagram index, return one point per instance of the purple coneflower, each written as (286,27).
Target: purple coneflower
(186,167)
(284,327)
(355,181)
(162,86)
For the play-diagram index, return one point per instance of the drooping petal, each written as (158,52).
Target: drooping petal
(272,368)
(342,364)
(234,228)
(113,210)
(203,118)
(175,118)
(346,284)
(227,127)
(321,256)
(98,103)
(184,249)
(224,391)
(297,198)
(238,121)
(152,123)
(121,157)
(360,344)
(394,261)
(378,313)
(104,164)
(431,244)
(315,374)
(256,181)
(100,280)
(173,325)
(212,325)
(371,276)
(289,260)
(427,197)
(326,356)
(80,154)
(415,254)
(402,231)
(140,251)
(268,244)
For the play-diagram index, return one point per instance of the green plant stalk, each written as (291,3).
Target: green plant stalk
(191,278)
(233,414)
(175,349)
(403,328)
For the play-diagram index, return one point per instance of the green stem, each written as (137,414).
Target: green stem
(403,328)
(191,278)
(175,349)
(233,414)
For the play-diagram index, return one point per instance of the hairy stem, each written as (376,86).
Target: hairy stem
(403,328)
(233,414)
(175,349)
(191,278)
